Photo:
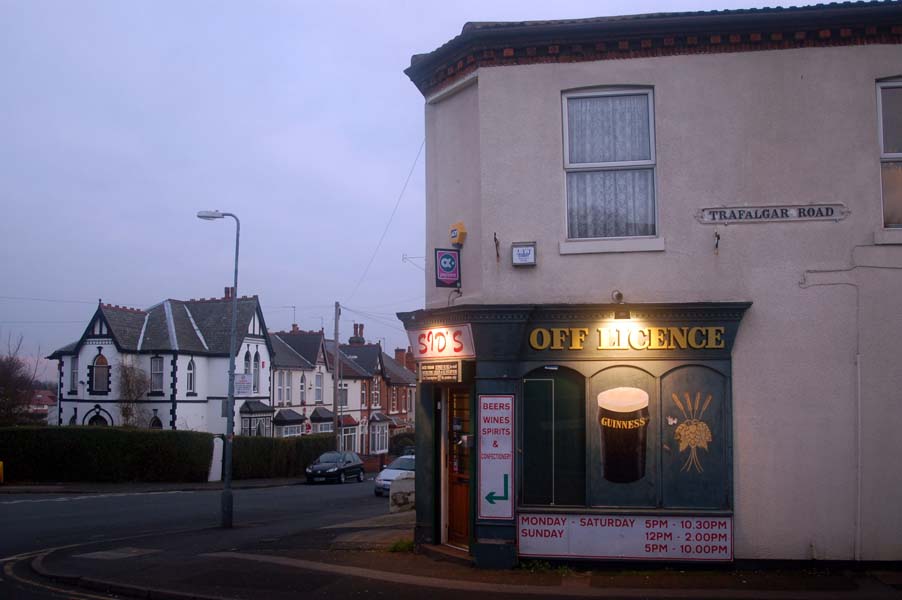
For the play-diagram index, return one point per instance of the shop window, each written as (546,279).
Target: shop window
(609,158)
(554,438)
(889,101)
(627,438)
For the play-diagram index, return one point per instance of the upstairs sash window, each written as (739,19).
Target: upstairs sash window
(609,157)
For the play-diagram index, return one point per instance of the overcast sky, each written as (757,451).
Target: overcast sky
(120,120)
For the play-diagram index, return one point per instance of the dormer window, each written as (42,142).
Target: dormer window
(100,377)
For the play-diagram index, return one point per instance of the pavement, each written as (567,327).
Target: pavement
(375,557)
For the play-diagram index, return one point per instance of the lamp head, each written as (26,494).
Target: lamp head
(209,215)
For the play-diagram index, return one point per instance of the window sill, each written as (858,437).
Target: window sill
(892,235)
(159,394)
(191,394)
(613,245)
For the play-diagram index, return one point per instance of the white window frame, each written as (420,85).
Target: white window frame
(280,383)
(394,400)
(318,388)
(376,399)
(156,377)
(362,394)
(73,374)
(343,393)
(303,395)
(191,376)
(349,439)
(611,244)
(324,427)
(288,388)
(100,384)
(890,234)
(256,378)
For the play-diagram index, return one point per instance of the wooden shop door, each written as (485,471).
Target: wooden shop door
(458,468)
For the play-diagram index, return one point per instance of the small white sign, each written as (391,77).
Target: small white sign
(496,457)
(628,537)
(455,341)
(523,254)
(244,384)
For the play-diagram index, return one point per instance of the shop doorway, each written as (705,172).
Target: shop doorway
(459,442)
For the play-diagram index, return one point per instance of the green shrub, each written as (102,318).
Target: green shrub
(399,442)
(103,454)
(262,457)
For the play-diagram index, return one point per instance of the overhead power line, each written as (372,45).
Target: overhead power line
(390,219)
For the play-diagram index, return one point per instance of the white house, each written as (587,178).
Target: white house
(180,350)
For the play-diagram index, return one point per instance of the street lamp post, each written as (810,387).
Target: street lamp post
(209,215)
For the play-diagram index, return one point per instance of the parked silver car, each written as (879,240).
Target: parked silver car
(400,468)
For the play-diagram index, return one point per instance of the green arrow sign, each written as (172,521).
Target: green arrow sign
(491,497)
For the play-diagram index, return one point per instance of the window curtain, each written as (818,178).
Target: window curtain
(611,202)
(606,129)
(615,203)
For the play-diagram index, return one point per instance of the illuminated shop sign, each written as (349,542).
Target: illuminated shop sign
(455,342)
(627,338)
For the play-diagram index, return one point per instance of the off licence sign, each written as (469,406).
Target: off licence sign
(496,457)
(633,537)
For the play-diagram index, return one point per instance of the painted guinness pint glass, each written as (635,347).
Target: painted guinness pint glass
(623,417)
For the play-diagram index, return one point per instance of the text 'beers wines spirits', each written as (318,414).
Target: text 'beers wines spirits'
(623,417)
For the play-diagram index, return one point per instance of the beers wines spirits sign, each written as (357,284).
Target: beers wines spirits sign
(496,457)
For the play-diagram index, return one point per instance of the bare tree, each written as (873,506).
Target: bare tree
(17,382)
(133,386)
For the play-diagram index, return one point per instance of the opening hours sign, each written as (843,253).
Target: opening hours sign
(496,457)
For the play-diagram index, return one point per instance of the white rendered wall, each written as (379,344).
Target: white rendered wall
(735,129)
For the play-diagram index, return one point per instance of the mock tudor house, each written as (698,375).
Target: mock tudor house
(675,332)
(167,367)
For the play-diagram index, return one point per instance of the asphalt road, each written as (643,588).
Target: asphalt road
(31,522)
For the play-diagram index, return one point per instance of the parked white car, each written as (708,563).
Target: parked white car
(401,468)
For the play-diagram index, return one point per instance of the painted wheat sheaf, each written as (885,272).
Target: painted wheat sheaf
(692,433)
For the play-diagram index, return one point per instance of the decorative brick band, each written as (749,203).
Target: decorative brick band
(647,47)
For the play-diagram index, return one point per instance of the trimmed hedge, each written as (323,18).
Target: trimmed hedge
(103,454)
(263,457)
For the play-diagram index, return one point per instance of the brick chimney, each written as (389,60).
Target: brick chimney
(294,328)
(409,362)
(228,293)
(401,356)
(357,339)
